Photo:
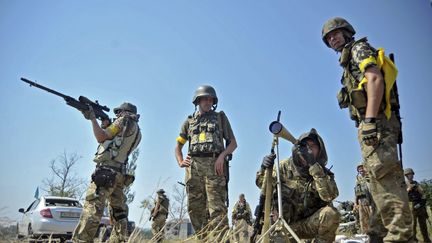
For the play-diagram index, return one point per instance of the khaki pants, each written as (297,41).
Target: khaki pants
(94,206)
(206,197)
(365,211)
(392,219)
(157,228)
(320,226)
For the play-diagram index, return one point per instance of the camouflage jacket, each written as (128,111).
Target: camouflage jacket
(242,211)
(302,195)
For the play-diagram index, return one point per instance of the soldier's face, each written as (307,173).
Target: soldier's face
(336,39)
(313,147)
(205,103)
(410,177)
(361,170)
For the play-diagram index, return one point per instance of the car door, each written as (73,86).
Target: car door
(28,215)
(23,223)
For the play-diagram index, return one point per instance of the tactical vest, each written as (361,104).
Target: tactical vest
(361,189)
(116,151)
(205,133)
(350,96)
(241,211)
(163,209)
(414,195)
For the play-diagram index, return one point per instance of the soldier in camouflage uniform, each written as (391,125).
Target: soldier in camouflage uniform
(116,142)
(159,216)
(373,105)
(308,189)
(205,164)
(363,199)
(241,218)
(418,204)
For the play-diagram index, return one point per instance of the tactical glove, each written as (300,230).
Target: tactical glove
(89,114)
(369,132)
(268,161)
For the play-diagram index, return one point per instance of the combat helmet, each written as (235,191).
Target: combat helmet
(126,107)
(203,91)
(334,24)
(161,191)
(359,165)
(408,171)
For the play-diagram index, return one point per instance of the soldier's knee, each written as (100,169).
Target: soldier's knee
(329,218)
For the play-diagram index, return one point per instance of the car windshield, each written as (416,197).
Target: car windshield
(62,203)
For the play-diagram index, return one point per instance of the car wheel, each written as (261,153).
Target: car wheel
(30,234)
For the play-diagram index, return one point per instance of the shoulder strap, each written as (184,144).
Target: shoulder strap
(219,117)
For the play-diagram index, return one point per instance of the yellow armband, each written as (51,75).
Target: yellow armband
(181,140)
(113,129)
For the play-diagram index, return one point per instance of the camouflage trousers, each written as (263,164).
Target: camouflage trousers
(157,228)
(320,226)
(365,211)
(392,220)
(420,215)
(241,231)
(207,195)
(94,205)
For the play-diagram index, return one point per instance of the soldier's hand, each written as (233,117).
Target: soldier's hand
(186,162)
(219,165)
(369,132)
(89,114)
(268,161)
(105,123)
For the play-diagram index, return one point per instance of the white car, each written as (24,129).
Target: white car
(50,216)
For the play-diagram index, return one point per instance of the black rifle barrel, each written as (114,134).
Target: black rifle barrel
(46,89)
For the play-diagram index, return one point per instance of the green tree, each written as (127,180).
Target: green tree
(427,189)
(64,181)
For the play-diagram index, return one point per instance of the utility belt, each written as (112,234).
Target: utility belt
(362,112)
(118,167)
(205,155)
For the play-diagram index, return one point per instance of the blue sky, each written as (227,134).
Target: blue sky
(261,56)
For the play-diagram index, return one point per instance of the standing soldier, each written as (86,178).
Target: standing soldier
(116,142)
(159,215)
(308,189)
(241,218)
(418,204)
(363,199)
(205,164)
(372,102)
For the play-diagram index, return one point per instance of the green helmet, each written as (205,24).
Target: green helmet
(408,171)
(334,24)
(205,90)
(126,107)
(161,191)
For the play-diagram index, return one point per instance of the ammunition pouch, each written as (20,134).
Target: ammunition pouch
(104,177)
(343,98)
(128,179)
(359,101)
